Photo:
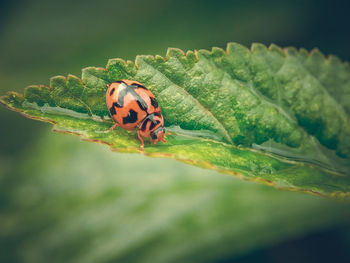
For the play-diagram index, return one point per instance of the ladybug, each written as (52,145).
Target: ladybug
(132,105)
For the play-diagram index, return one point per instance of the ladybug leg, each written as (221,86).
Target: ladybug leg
(114,126)
(140,138)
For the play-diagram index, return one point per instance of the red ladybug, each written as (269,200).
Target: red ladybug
(132,105)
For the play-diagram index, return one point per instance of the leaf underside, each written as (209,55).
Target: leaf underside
(278,116)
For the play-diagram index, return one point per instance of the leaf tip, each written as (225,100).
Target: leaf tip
(203,52)
(316,53)
(233,47)
(119,67)
(258,47)
(115,61)
(277,49)
(73,77)
(290,51)
(159,59)
(303,52)
(334,60)
(12,99)
(174,52)
(191,56)
(218,52)
(58,81)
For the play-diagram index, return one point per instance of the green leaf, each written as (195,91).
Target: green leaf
(83,203)
(270,115)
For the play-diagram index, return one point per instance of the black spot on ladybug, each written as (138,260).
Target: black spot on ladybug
(154,102)
(148,119)
(111,92)
(144,124)
(142,105)
(138,85)
(116,104)
(153,136)
(112,110)
(131,118)
(153,124)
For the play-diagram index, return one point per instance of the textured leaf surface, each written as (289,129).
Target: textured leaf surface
(270,115)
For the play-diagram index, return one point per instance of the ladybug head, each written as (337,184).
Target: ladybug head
(158,135)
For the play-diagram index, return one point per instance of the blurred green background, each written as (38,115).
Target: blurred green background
(63,200)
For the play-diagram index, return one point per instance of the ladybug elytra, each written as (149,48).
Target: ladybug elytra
(132,105)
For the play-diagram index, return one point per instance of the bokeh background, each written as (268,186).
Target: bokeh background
(63,200)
